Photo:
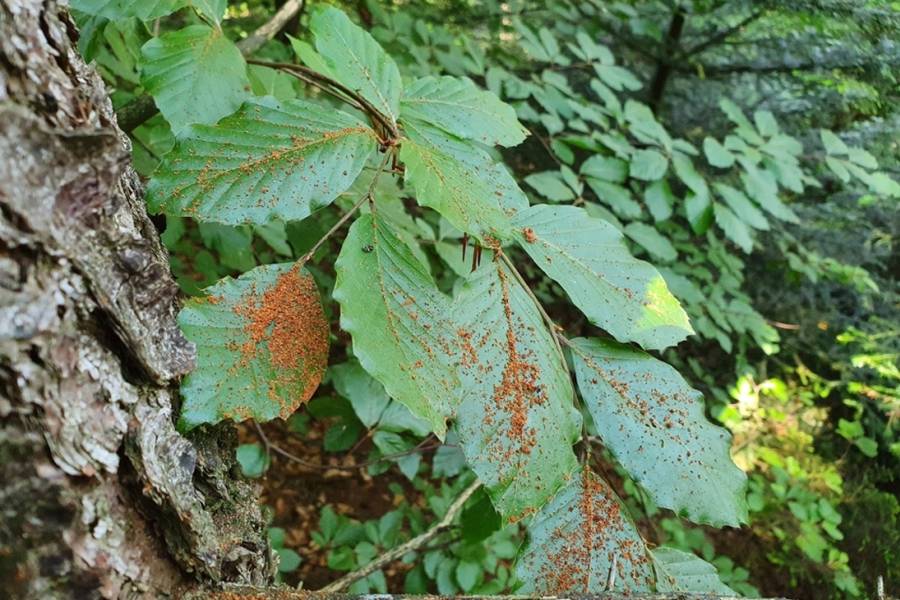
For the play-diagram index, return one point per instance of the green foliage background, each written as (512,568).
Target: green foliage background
(748,150)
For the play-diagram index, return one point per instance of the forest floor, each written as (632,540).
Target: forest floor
(296,492)
(295,489)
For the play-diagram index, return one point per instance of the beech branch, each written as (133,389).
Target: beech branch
(414,544)
(340,91)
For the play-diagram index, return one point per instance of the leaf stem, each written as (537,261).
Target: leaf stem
(346,217)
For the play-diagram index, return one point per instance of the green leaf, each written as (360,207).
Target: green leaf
(530,42)
(648,165)
(121,9)
(659,199)
(446,582)
(867,446)
(398,320)
(460,108)
(651,240)
(356,60)
(253,460)
(586,256)
(716,154)
(195,75)
(479,520)
(211,10)
(618,78)
(837,167)
(742,207)
(644,125)
(654,423)
(449,461)
(270,82)
(267,160)
(389,442)
(863,158)
(684,168)
(367,396)
(550,185)
(571,179)
(592,50)
(600,212)
(516,422)
(832,143)
(288,560)
(397,418)
(881,183)
(574,538)
(744,128)
(276,537)
(262,346)
(606,168)
(679,571)
(467,574)
(699,212)
(616,197)
(459,180)
(762,187)
(735,229)
(309,57)
(233,244)
(783,146)
(765,123)
(550,44)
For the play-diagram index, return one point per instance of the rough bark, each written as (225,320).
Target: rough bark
(100,495)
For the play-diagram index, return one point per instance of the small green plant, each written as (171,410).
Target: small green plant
(473,557)
(793,492)
(288,559)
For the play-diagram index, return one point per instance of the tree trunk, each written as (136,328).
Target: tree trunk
(665,62)
(100,496)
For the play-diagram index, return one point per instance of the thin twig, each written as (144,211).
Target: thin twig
(414,544)
(270,447)
(267,31)
(546,146)
(363,465)
(611,580)
(720,36)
